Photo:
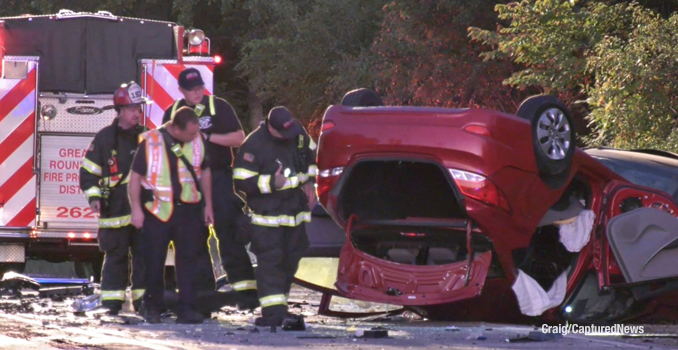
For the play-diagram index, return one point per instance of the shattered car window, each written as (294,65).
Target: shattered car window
(661,177)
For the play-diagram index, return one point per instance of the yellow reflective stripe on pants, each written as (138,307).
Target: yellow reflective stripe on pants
(265,183)
(276,299)
(115,222)
(137,294)
(245,285)
(281,220)
(91,167)
(243,174)
(113,295)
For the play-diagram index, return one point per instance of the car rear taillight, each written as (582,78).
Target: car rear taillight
(478,129)
(331,172)
(412,234)
(480,188)
(327,125)
(327,178)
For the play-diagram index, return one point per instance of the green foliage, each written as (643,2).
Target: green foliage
(620,59)
(307,53)
(634,98)
(612,61)
(422,56)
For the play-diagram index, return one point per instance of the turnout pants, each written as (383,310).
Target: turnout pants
(203,265)
(227,212)
(278,251)
(120,245)
(187,229)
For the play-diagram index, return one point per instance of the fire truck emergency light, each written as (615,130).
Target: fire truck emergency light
(217,59)
(195,37)
(199,49)
(196,43)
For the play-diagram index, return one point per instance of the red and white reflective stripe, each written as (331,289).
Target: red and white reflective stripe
(17,135)
(162,86)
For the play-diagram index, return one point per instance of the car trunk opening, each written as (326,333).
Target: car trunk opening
(408,213)
(397,190)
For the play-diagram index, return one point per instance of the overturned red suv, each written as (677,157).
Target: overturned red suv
(474,214)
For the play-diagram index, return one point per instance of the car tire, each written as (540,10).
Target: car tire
(361,98)
(553,137)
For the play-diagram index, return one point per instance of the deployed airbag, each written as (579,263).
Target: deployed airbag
(576,234)
(533,299)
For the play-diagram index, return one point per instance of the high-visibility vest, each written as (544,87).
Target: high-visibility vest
(158,177)
(213,109)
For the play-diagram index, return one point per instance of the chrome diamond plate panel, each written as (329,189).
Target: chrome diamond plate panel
(12,253)
(75,114)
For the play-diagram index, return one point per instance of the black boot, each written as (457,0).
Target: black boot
(151,315)
(248,300)
(294,323)
(188,315)
(271,316)
(267,321)
(113,307)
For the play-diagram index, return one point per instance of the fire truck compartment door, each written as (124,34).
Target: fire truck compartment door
(62,203)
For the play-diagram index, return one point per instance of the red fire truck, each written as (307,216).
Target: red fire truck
(58,73)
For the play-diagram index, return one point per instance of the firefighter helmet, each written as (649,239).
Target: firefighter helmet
(129,94)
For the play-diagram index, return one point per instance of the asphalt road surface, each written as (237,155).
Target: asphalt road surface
(30,322)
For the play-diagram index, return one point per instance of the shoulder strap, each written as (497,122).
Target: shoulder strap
(213,110)
(174,109)
(169,143)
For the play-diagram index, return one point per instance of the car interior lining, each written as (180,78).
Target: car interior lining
(397,190)
(546,258)
(421,245)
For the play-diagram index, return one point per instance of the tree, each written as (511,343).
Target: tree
(303,53)
(617,58)
(422,56)
(634,99)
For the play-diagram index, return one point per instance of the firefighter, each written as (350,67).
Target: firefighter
(275,171)
(175,205)
(223,131)
(104,178)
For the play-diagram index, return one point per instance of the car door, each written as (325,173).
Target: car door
(642,234)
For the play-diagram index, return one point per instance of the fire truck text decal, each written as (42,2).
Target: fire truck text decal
(61,199)
(65,171)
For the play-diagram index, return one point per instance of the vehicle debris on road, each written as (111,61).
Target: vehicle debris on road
(535,336)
